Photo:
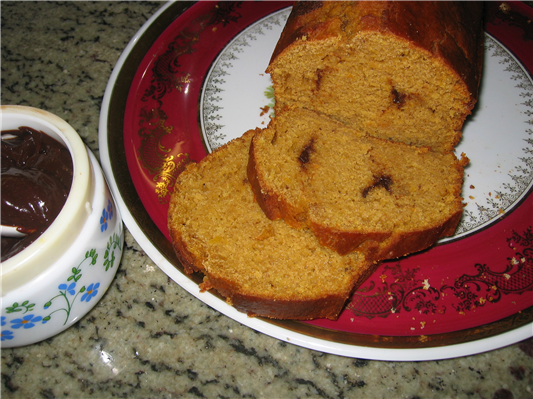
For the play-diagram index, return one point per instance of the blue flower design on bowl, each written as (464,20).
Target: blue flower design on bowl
(107,214)
(70,289)
(6,335)
(103,220)
(3,321)
(27,321)
(110,209)
(92,290)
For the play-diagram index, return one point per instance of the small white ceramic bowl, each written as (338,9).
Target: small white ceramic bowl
(57,279)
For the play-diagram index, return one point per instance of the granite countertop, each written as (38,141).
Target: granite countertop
(148,337)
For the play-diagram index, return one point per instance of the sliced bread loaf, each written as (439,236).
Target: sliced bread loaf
(356,193)
(262,267)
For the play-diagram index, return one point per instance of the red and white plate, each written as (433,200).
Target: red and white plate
(193,78)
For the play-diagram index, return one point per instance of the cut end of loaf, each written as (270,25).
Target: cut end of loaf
(379,86)
(391,69)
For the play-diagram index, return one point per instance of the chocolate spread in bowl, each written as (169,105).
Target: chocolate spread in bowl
(36,180)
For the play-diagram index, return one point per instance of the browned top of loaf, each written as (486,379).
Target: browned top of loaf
(448,30)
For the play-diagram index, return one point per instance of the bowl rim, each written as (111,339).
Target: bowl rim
(43,252)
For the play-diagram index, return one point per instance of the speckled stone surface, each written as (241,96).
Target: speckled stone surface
(149,338)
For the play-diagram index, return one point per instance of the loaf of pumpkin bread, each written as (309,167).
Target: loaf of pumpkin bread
(262,267)
(371,98)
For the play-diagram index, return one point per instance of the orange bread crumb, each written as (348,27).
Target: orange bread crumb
(356,193)
(261,267)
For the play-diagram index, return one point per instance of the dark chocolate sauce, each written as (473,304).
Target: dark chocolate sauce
(36,180)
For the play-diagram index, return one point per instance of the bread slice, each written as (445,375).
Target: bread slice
(400,70)
(356,193)
(262,267)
